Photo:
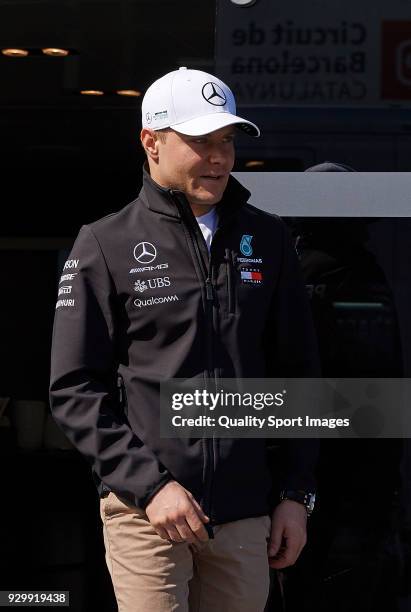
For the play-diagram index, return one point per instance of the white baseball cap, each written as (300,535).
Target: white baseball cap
(191,102)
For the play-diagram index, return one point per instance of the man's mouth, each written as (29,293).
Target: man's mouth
(211,177)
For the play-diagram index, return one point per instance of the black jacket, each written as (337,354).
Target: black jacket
(150,314)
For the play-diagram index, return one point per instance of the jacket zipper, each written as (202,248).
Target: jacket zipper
(209,302)
(209,290)
(122,394)
(230,287)
(209,442)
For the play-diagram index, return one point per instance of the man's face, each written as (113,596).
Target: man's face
(197,165)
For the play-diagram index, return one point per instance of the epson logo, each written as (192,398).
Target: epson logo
(71,263)
(149,268)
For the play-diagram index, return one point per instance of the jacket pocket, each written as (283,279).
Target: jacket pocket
(112,506)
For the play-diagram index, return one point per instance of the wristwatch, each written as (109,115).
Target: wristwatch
(305,498)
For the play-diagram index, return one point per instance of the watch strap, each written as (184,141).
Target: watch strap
(305,498)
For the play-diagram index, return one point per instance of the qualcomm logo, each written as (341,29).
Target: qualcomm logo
(155,300)
(145,252)
(245,245)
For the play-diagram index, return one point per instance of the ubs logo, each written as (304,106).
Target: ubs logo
(153,283)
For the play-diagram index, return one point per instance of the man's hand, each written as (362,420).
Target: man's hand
(288,534)
(176,515)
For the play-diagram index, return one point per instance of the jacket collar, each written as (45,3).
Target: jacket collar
(162,200)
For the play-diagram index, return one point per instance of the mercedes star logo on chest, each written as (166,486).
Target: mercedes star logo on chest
(145,252)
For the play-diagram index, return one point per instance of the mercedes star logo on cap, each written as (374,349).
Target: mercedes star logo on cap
(243,2)
(145,252)
(214,94)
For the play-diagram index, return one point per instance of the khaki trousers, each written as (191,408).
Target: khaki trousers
(229,574)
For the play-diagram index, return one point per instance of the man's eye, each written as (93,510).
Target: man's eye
(199,140)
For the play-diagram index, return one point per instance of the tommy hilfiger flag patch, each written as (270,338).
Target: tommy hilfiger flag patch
(251,276)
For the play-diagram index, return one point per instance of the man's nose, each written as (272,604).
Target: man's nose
(217,154)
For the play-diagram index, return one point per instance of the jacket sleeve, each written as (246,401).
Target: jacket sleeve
(292,352)
(83,394)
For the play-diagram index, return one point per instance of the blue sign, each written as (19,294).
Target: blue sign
(245,245)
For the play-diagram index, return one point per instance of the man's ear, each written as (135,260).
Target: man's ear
(150,143)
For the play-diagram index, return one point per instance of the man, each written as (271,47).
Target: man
(149,297)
